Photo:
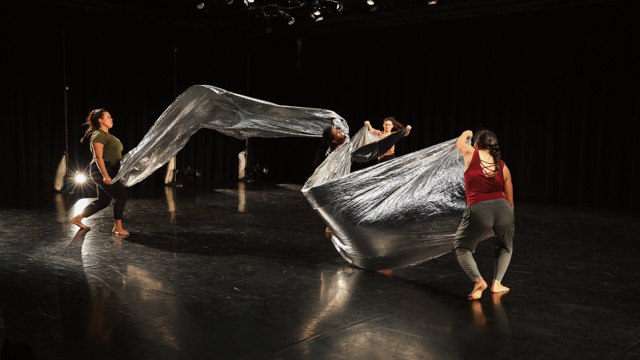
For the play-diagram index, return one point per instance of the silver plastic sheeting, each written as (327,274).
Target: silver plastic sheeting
(203,106)
(397,213)
(364,146)
(393,214)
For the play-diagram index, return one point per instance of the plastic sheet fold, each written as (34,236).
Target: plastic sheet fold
(393,214)
(397,213)
(204,106)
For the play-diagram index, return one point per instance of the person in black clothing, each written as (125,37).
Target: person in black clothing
(107,152)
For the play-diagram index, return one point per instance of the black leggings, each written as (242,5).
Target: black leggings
(116,191)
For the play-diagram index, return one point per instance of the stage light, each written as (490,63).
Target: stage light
(370,2)
(339,7)
(80,178)
(200,6)
(317,16)
(433,2)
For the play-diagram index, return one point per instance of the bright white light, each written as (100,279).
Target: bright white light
(433,2)
(200,6)
(317,13)
(251,1)
(371,2)
(80,178)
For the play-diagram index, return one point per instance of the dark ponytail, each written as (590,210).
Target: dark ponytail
(487,140)
(92,122)
(327,142)
(396,124)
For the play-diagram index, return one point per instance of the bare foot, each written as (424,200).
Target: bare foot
(77,220)
(120,231)
(479,286)
(328,233)
(497,287)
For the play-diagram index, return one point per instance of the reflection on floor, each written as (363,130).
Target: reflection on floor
(241,272)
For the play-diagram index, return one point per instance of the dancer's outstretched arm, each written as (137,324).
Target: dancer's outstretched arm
(368,124)
(465,149)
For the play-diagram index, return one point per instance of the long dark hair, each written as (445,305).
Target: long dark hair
(396,124)
(487,140)
(92,122)
(327,142)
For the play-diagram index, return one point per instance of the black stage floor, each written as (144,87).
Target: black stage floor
(223,273)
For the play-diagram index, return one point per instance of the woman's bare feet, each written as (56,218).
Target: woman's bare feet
(497,287)
(479,286)
(118,230)
(328,233)
(77,220)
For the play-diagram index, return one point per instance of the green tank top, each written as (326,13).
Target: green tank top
(112,151)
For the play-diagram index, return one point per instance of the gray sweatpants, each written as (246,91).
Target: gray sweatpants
(477,220)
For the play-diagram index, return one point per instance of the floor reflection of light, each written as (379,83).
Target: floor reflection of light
(335,291)
(242,200)
(141,279)
(60,210)
(336,297)
(170,193)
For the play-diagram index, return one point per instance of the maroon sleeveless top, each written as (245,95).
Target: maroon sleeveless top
(479,186)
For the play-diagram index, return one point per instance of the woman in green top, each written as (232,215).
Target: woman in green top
(107,152)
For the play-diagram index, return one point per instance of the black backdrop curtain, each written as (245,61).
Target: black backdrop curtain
(131,66)
(559,87)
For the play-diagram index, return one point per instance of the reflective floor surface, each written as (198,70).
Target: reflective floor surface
(245,272)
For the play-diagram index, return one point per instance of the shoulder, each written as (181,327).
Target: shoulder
(505,170)
(99,137)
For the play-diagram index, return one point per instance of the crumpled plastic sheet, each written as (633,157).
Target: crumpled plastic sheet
(397,213)
(204,106)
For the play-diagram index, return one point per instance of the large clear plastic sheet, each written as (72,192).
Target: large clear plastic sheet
(397,213)
(203,106)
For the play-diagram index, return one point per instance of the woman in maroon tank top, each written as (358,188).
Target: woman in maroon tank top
(489,207)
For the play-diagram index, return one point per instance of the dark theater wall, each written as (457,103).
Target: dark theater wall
(559,87)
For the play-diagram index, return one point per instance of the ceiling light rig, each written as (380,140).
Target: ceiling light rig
(320,8)
(274,11)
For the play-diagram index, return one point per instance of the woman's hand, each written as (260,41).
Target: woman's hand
(107,180)
(468,134)
(368,124)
